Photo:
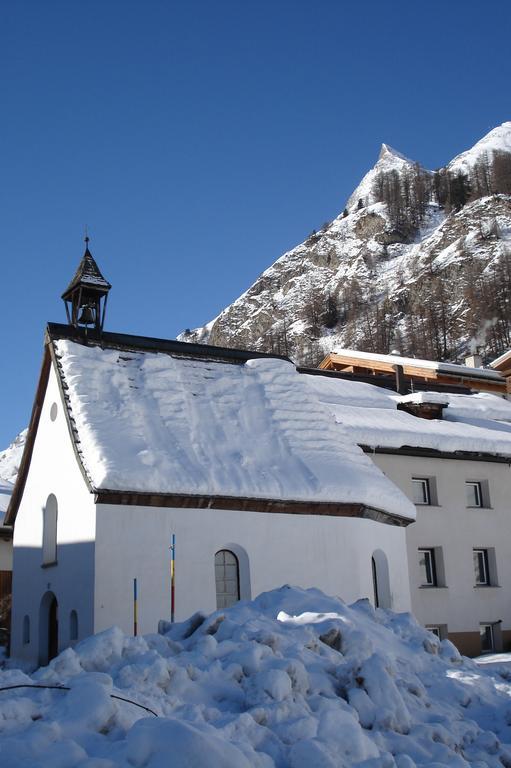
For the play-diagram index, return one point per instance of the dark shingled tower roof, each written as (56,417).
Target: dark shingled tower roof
(87,275)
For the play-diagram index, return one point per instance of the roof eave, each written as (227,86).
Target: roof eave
(250,504)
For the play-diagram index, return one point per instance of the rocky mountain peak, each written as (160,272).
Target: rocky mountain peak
(417,261)
(388,153)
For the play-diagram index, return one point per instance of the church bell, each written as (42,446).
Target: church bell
(88,316)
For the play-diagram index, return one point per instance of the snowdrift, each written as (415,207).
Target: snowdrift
(294,678)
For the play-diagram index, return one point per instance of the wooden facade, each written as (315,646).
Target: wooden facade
(481,380)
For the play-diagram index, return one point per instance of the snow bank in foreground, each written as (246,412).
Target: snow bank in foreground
(293,678)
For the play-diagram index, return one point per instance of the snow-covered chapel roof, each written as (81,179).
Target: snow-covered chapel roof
(164,422)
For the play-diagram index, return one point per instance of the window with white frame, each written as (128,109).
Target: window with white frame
(481,567)
(50,530)
(440,630)
(421,490)
(427,567)
(487,638)
(474,493)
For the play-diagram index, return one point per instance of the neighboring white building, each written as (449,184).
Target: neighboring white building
(450,454)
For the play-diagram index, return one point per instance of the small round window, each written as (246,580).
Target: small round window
(53,411)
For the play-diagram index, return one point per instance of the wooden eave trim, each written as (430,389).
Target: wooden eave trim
(21,479)
(431,453)
(71,427)
(429,374)
(49,358)
(242,504)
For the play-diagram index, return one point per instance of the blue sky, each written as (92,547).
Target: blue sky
(199,140)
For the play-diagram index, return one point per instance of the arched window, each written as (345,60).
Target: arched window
(26,630)
(73,626)
(375,583)
(50,530)
(227,578)
(381,580)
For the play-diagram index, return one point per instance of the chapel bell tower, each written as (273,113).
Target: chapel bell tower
(85,297)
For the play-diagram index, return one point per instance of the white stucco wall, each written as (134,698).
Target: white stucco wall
(458,529)
(333,554)
(53,470)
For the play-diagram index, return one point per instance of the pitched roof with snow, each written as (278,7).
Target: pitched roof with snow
(164,423)
(478,423)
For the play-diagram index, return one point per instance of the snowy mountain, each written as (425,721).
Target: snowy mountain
(10,458)
(418,260)
(293,679)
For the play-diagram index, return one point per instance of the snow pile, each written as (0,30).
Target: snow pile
(163,424)
(293,679)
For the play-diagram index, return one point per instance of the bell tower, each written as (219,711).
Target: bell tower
(86,295)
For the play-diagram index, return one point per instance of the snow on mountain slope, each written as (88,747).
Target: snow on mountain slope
(497,140)
(294,679)
(10,458)
(367,282)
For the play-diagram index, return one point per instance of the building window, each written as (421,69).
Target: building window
(50,531)
(427,567)
(474,494)
(227,579)
(487,638)
(421,494)
(73,626)
(26,630)
(440,630)
(481,567)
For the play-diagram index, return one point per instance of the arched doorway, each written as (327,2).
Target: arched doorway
(48,628)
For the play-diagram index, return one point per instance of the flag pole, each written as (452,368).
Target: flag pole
(172,576)
(135,618)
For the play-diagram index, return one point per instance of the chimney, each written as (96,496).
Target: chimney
(474,361)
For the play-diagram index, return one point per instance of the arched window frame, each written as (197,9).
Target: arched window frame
(49,543)
(382,594)
(73,626)
(221,577)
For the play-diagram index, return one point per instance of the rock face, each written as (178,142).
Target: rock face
(418,261)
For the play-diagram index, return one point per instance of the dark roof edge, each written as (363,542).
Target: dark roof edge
(19,485)
(58,331)
(247,504)
(431,453)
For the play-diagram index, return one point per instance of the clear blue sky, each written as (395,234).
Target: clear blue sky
(198,140)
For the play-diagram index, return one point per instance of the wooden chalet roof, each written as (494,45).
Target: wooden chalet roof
(423,371)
